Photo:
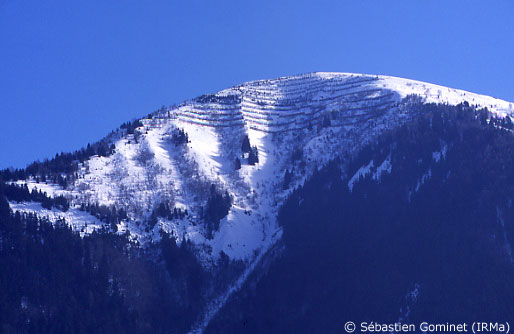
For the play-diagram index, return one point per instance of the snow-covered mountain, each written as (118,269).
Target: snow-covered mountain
(297,124)
(320,115)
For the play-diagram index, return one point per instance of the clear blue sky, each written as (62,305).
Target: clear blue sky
(71,71)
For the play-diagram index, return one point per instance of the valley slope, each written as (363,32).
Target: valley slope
(180,157)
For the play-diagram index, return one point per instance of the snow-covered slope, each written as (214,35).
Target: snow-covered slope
(297,123)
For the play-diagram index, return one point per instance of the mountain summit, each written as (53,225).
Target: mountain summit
(215,171)
(174,156)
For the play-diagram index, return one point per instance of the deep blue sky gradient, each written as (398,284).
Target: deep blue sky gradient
(71,71)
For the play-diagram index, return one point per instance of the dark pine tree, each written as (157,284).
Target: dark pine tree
(245,147)
(253,157)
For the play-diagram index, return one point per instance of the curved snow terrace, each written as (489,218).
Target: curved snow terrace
(282,99)
(432,92)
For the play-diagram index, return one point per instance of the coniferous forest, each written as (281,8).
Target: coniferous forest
(429,241)
(54,281)
(427,236)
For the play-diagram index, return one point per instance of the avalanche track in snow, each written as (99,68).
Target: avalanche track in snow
(296,123)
